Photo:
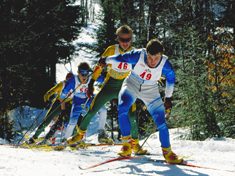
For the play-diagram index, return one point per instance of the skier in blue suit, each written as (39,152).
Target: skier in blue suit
(148,65)
(77,86)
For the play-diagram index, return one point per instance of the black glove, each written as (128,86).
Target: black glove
(168,103)
(162,82)
(90,88)
(102,61)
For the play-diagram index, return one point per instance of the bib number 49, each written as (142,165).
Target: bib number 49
(145,75)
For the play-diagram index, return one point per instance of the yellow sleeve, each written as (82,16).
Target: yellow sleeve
(109,51)
(98,68)
(55,90)
(97,72)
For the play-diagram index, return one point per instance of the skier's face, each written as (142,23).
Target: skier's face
(153,60)
(83,76)
(124,41)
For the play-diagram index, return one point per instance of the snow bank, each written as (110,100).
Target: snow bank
(216,154)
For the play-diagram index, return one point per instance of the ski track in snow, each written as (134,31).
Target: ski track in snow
(218,154)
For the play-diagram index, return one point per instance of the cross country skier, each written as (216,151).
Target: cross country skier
(64,118)
(147,67)
(116,73)
(78,84)
(55,108)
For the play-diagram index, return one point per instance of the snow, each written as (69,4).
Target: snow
(26,120)
(218,154)
(83,54)
(26,116)
(3,141)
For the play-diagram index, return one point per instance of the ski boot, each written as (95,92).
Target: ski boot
(170,156)
(136,148)
(79,145)
(103,138)
(43,142)
(76,138)
(126,147)
(28,144)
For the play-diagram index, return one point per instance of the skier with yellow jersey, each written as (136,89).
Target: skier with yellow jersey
(116,73)
(55,110)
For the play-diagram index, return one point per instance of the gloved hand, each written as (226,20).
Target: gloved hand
(102,61)
(46,97)
(168,106)
(90,88)
(168,103)
(162,82)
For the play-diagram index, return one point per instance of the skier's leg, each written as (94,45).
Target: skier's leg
(108,92)
(105,95)
(54,111)
(157,111)
(102,135)
(126,99)
(75,114)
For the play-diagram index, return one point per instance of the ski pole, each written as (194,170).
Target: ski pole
(32,124)
(143,143)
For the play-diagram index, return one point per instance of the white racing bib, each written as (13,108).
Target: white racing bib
(144,72)
(81,89)
(122,67)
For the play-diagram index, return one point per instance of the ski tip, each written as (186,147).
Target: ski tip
(82,168)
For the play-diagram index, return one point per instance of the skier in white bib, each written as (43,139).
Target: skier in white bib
(78,84)
(148,65)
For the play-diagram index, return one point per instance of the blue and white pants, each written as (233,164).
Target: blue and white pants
(76,110)
(149,94)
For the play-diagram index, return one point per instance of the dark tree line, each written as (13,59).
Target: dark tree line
(34,36)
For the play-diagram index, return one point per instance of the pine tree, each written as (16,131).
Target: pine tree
(221,80)
(35,35)
(196,104)
(6,127)
(106,32)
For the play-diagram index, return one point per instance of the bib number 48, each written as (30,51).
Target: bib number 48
(146,75)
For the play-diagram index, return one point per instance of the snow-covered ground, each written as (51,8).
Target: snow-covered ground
(213,153)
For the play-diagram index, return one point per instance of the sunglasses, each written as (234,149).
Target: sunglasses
(124,40)
(84,72)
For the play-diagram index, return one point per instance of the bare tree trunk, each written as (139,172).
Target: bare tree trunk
(152,19)
(86,12)
(142,23)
